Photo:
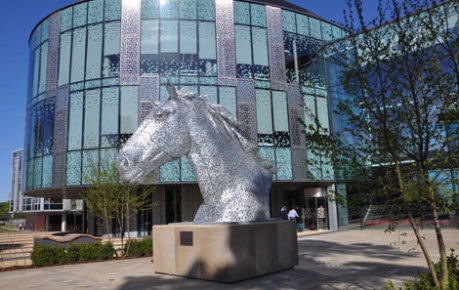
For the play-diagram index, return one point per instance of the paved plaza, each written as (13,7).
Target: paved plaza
(351,259)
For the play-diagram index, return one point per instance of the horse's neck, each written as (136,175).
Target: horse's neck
(216,152)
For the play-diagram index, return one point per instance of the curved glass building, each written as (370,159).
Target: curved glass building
(96,67)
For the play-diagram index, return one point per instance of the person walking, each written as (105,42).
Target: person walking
(284,213)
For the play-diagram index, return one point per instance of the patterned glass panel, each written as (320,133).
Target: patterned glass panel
(150,9)
(284,163)
(29,174)
(47,171)
(206,10)
(314,170)
(37,172)
(95,11)
(78,54)
(228,100)
(241,13)
(315,28)
(322,112)
(108,158)
(112,10)
(90,165)
(209,93)
(75,121)
(91,119)
(79,15)
(337,32)
(170,172)
(268,154)
(168,9)
(47,125)
(309,111)
(288,21)
(36,71)
(66,19)
(258,15)
(44,30)
(326,31)
(94,52)
(302,24)
(327,169)
(187,172)
(188,9)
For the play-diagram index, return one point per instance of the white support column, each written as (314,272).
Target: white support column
(64,223)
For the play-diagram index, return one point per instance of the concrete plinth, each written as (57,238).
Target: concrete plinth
(225,252)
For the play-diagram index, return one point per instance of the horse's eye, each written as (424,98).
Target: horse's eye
(159,115)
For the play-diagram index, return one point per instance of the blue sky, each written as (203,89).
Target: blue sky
(17,19)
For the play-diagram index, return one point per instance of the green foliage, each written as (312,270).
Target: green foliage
(424,282)
(47,255)
(138,248)
(50,255)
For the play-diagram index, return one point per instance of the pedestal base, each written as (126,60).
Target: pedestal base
(225,252)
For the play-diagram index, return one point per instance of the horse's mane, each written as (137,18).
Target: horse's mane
(231,126)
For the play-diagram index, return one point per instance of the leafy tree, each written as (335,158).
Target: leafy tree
(108,199)
(397,110)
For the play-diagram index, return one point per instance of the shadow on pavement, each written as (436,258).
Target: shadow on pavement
(322,265)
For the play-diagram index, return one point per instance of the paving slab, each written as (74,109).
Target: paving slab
(351,259)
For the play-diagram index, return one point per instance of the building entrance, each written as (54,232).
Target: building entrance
(315,209)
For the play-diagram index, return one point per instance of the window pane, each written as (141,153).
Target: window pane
(109,122)
(78,54)
(95,11)
(111,64)
(168,9)
(322,111)
(243,51)
(43,67)
(113,10)
(79,15)
(264,114)
(206,10)
(288,21)
(47,171)
(94,54)
(228,100)
(188,41)
(241,13)
(258,15)
(129,110)
(75,121)
(260,57)
(187,9)
(66,19)
(73,168)
(280,112)
(169,36)
(207,41)
(91,119)
(149,47)
(150,9)
(64,58)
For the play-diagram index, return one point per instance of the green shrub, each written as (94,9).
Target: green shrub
(139,248)
(424,282)
(83,252)
(47,255)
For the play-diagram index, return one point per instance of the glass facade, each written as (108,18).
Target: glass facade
(97,67)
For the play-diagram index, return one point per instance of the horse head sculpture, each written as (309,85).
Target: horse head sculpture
(233,179)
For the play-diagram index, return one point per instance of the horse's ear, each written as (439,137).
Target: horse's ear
(171,89)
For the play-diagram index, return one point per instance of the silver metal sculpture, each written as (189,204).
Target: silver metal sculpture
(233,179)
